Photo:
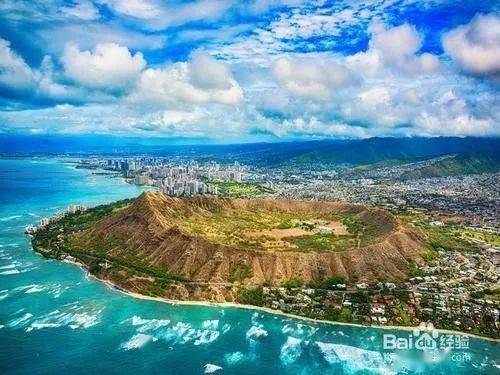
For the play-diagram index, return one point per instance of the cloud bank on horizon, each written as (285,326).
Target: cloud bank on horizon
(250,70)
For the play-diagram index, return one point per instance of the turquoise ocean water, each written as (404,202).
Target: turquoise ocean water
(53,319)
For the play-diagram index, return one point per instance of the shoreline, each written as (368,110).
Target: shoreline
(267,310)
(284,314)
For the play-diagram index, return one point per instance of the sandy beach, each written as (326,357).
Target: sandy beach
(268,310)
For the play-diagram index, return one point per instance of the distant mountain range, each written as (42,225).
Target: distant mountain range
(476,154)
(373,150)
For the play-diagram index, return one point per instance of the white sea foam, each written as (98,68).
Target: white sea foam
(255,332)
(176,333)
(328,351)
(299,329)
(291,350)
(137,320)
(9,218)
(35,289)
(10,272)
(24,287)
(211,368)
(11,244)
(182,333)
(206,337)
(21,321)
(57,290)
(84,320)
(148,324)
(14,271)
(210,324)
(225,328)
(8,266)
(255,318)
(76,317)
(233,358)
(137,341)
(357,359)
(189,335)
(36,325)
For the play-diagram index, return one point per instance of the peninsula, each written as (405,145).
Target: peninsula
(324,260)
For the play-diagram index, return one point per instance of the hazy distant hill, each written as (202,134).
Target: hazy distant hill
(300,153)
(461,164)
(359,152)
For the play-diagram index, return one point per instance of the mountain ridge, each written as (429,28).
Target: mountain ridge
(150,232)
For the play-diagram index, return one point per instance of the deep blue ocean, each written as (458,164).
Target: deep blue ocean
(54,319)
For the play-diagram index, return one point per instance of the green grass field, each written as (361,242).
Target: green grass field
(242,228)
(239,189)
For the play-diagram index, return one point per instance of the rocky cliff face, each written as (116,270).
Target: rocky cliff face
(150,229)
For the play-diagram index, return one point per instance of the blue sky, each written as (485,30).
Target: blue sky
(238,71)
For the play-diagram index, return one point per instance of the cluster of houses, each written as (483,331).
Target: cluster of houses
(449,302)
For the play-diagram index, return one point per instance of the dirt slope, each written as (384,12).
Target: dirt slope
(150,229)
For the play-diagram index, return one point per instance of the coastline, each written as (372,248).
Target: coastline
(268,310)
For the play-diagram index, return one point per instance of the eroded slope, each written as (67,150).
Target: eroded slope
(155,231)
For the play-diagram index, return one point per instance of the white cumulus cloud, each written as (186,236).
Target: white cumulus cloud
(397,48)
(108,66)
(17,77)
(203,79)
(476,45)
(14,72)
(311,78)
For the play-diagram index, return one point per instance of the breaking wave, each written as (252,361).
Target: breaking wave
(356,359)
(206,337)
(9,218)
(21,321)
(137,341)
(146,325)
(211,368)
(291,350)
(182,333)
(210,324)
(233,358)
(8,266)
(299,329)
(10,272)
(76,317)
(255,332)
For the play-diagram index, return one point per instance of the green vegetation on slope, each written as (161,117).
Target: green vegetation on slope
(321,242)
(58,239)
(384,164)
(447,238)
(487,237)
(239,271)
(462,164)
(251,296)
(250,229)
